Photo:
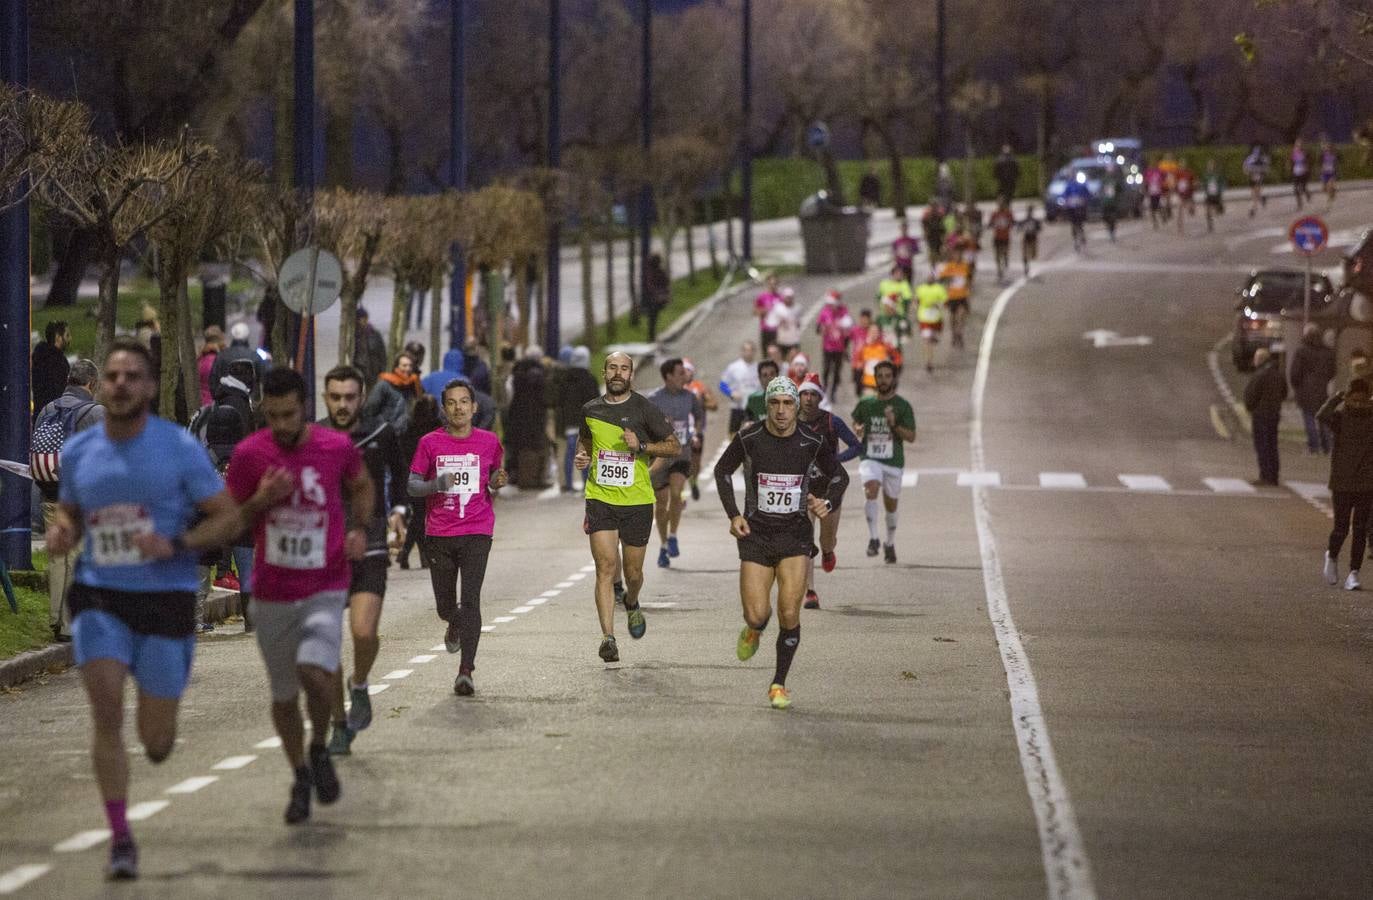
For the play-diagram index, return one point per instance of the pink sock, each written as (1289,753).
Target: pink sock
(115,811)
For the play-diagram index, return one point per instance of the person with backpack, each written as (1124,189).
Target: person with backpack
(75,410)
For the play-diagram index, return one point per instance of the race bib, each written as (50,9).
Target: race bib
(113,529)
(615,468)
(779,493)
(682,429)
(466,471)
(296,537)
(880,445)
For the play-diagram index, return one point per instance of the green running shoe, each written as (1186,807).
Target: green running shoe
(748,643)
(637,625)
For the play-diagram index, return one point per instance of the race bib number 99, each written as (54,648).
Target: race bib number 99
(466,470)
(113,529)
(615,468)
(779,493)
(296,538)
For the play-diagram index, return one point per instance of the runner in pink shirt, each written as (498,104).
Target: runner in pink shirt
(762,304)
(456,470)
(833,324)
(292,479)
(904,250)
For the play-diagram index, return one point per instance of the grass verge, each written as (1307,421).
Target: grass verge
(29,629)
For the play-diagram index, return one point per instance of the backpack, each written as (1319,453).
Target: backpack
(218,427)
(55,424)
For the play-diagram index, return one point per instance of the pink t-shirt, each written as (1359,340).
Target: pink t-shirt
(834,323)
(903,249)
(466,508)
(298,544)
(765,301)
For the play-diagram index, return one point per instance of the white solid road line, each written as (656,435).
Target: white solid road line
(82,840)
(191,785)
(1066,868)
(979,479)
(230,763)
(1145,482)
(1229,485)
(1062,480)
(19,876)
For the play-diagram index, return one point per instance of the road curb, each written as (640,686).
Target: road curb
(34,662)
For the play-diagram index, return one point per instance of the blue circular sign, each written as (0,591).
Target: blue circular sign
(1309,235)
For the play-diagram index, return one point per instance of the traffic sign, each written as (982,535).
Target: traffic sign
(1309,235)
(310,281)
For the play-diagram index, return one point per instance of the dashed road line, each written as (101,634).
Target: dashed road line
(422,658)
(1145,482)
(374,689)
(230,763)
(521,610)
(82,840)
(1314,493)
(503,619)
(191,785)
(1229,485)
(397,674)
(271,743)
(1062,480)
(146,810)
(537,601)
(19,876)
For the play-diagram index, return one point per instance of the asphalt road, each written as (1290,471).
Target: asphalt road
(1198,697)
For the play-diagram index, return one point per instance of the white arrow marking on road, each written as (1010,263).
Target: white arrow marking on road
(1103,338)
(1062,480)
(1145,482)
(19,876)
(83,840)
(146,810)
(229,763)
(1229,485)
(191,785)
(980,479)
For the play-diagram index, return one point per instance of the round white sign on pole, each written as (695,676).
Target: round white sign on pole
(310,281)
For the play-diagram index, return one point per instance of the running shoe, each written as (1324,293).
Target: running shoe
(123,864)
(663,561)
(205,628)
(889,553)
(695,491)
(1331,571)
(327,788)
(1351,581)
(451,642)
(672,549)
(298,809)
(748,643)
(360,713)
(874,545)
(228,581)
(341,740)
(619,593)
(812,600)
(779,697)
(463,686)
(610,652)
(828,561)
(637,625)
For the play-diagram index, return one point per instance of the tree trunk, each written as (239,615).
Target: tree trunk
(186,364)
(80,246)
(632,246)
(278,340)
(588,297)
(395,337)
(523,303)
(705,211)
(353,288)
(170,313)
(610,328)
(338,144)
(690,245)
(436,323)
(107,307)
(495,328)
(1042,139)
(832,180)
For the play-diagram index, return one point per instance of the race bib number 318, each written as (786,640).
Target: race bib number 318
(113,529)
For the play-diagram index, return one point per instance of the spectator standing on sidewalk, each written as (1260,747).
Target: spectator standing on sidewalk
(1263,397)
(1349,415)
(369,349)
(870,188)
(475,368)
(572,389)
(1007,172)
(526,440)
(49,365)
(209,352)
(657,293)
(423,419)
(1313,368)
(73,412)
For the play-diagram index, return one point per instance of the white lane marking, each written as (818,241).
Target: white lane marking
(551,593)
(1136,268)
(229,763)
(664,604)
(438,648)
(19,876)
(979,479)
(422,658)
(563,585)
(486,628)
(82,840)
(1066,868)
(398,674)
(589,569)
(272,743)
(1145,482)
(578,576)
(537,601)
(1314,493)
(1062,480)
(551,492)
(501,620)
(374,689)
(910,479)
(1259,234)
(941,470)
(521,610)
(1175,492)
(146,810)
(191,785)
(1229,485)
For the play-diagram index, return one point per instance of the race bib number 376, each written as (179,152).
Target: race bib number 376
(779,493)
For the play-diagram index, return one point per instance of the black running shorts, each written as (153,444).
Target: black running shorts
(369,575)
(768,546)
(634,523)
(662,476)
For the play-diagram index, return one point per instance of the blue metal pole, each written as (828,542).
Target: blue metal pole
(15,492)
(745,142)
(303,159)
(645,143)
(553,323)
(457,168)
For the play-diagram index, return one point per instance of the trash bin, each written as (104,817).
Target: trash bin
(835,238)
(214,295)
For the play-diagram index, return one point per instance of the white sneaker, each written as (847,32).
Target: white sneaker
(1331,570)
(1351,581)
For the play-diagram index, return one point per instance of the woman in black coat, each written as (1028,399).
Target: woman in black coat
(1349,415)
(424,418)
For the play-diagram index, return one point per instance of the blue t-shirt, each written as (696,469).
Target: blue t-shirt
(151,482)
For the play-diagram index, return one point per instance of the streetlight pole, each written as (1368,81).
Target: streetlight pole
(457,170)
(745,142)
(303,171)
(15,491)
(553,320)
(941,99)
(645,143)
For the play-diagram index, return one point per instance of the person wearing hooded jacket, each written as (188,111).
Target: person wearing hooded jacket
(1313,368)
(238,349)
(1349,415)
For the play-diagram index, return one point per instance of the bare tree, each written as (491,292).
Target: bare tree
(350,225)
(418,232)
(38,136)
(679,166)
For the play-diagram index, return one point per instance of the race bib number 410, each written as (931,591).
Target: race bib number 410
(296,538)
(779,493)
(615,468)
(113,529)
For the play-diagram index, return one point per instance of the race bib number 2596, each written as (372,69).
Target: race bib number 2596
(615,468)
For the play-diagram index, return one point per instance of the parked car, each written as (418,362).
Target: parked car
(1266,294)
(1093,171)
(1127,152)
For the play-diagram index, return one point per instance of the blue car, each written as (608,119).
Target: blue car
(1093,173)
